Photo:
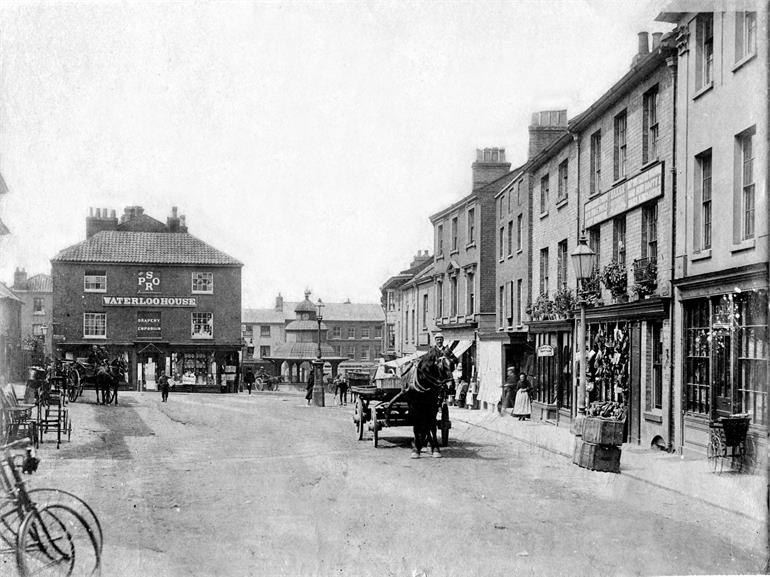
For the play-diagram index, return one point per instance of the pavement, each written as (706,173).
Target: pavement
(744,494)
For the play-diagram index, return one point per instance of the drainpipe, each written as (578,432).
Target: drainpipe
(671,62)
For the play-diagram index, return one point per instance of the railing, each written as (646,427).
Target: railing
(644,268)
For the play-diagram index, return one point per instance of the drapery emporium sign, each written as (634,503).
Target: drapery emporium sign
(149,281)
(150,301)
(148,325)
(625,196)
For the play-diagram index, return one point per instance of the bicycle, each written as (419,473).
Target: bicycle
(60,536)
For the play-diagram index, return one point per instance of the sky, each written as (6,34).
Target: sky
(309,140)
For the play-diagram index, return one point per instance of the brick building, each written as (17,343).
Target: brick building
(721,244)
(36,294)
(11,368)
(153,293)
(464,264)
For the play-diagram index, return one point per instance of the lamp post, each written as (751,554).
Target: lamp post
(318,364)
(583,260)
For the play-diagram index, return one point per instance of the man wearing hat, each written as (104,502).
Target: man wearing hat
(438,340)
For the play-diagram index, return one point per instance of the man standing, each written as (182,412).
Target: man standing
(249,379)
(309,387)
(163,384)
(509,389)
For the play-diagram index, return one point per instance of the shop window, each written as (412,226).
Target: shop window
(655,393)
(202,283)
(202,325)
(95,281)
(553,373)
(264,331)
(607,363)
(95,325)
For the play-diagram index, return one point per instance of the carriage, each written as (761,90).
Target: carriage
(381,401)
(81,373)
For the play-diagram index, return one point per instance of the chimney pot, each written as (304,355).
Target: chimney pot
(173,211)
(644,43)
(113,214)
(656,36)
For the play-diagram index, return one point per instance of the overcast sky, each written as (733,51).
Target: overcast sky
(310,140)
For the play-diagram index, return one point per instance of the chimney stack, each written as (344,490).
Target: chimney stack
(20,279)
(279,303)
(173,222)
(546,127)
(656,36)
(100,219)
(644,48)
(489,166)
(420,258)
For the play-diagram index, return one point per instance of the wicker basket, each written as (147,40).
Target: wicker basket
(596,457)
(603,431)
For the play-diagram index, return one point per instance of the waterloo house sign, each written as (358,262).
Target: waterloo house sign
(149,283)
(625,196)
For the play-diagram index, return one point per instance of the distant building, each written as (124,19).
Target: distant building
(36,294)
(154,293)
(11,368)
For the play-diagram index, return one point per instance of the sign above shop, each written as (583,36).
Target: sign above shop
(148,325)
(545,351)
(625,196)
(150,301)
(148,281)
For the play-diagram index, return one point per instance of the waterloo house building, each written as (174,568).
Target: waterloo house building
(721,267)
(153,293)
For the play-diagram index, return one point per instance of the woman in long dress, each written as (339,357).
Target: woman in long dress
(522,407)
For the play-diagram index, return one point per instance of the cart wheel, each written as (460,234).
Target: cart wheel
(714,452)
(374,426)
(444,425)
(359,418)
(73,385)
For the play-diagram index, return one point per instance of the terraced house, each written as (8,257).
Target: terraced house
(153,293)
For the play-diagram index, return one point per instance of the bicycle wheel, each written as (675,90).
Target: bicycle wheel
(57,540)
(44,496)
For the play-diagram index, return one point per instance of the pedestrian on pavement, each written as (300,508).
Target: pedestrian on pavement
(249,379)
(342,387)
(164,386)
(309,387)
(509,389)
(522,408)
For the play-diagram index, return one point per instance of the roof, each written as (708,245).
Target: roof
(6,293)
(142,222)
(332,312)
(305,306)
(673,10)
(306,351)
(493,186)
(112,246)
(40,283)
(262,316)
(301,326)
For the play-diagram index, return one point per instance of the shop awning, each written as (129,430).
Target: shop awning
(459,347)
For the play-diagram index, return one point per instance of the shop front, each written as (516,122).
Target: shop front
(551,370)
(725,353)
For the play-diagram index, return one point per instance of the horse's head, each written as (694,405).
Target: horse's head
(434,368)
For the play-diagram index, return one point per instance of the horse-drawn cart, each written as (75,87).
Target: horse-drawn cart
(382,402)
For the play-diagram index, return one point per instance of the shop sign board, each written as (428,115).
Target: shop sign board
(545,351)
(148,325)
(627,195)
(148,281)
(149,301)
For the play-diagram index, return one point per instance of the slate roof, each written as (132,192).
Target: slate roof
(303,326)
(40,283)
(112,246)
(262,316)
(6,293)
(362,312)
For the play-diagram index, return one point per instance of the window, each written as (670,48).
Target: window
(561,262)
(510,197)
(351,352)
(596,162)
(95,325)
(391,301)
(264,351)
(518,193)
(365,353)
(501,305)
(471,226)
(704,50)
(650,232)
(351,332)
(95,281)
(202,282)
(502,242)
(425,312)
(507,302)
(202,325)
(619,239)
(519,224)
(563,181)
(439,299)
(336,333)
(38,308)
(747,185)
(391,337)
(264,331)
(470,281)
(544,194)
(745,35)
(512,303)
(440,240)
(365,332)
(518,302)
(703,162)
(650,125)
(453,296)
(378,332)
(510,237)
(544,271)
(595,242)
(454,234)
(656,391)
(620,146)
(37,330)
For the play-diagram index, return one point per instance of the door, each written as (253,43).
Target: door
(635,384)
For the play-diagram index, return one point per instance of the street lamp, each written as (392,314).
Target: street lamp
(318,384)
(584,261)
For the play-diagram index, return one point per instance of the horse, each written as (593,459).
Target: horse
(108,375)
(424,393)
